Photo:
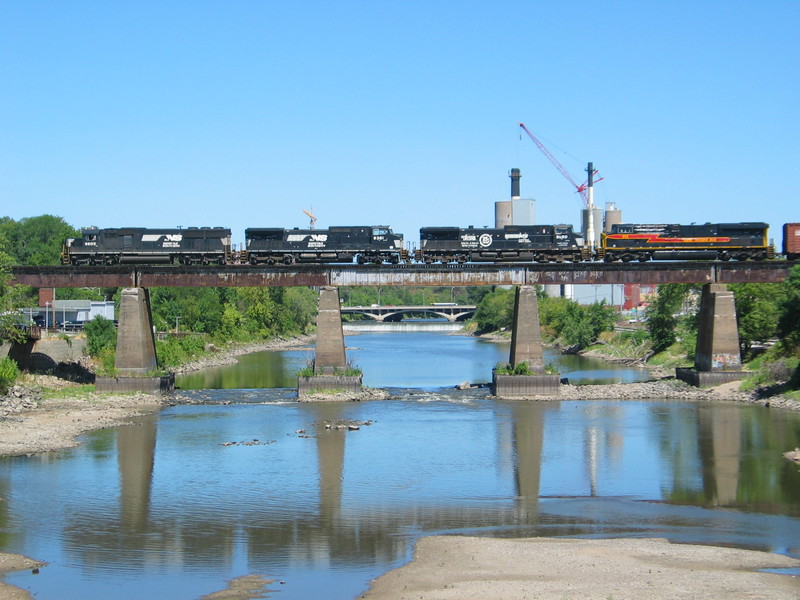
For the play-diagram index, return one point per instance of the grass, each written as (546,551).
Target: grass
(68,392)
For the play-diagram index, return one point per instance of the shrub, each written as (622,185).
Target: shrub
(100,335)
(9,372)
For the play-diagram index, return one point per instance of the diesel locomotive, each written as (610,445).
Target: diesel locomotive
(539,243)
(712,241)
(191,246)
(625,242)
(364,244)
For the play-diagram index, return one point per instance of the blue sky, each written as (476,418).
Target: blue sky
(244,113)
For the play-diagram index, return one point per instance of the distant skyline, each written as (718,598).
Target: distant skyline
(397,113)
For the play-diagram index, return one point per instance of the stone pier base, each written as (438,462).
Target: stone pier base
(125,385)
(509,386)
(328,383)
(703,379)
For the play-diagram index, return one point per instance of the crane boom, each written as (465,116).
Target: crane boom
(581,189)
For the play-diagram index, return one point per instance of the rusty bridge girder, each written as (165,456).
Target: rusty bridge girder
(402,275)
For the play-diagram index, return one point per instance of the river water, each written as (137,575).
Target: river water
(248,481)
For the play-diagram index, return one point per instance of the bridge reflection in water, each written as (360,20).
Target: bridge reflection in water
(227,508)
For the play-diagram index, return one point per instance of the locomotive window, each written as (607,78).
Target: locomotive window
(379,231)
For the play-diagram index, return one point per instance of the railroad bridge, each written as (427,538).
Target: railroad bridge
(717,345)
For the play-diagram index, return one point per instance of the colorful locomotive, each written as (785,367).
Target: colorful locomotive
(711,241)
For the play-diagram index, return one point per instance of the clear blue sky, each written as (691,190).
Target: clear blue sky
(404,113)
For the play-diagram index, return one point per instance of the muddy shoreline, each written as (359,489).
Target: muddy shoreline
(449,567)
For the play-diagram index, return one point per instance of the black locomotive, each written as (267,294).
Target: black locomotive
(540,243)
(711,241)
(365,244)
(195,245)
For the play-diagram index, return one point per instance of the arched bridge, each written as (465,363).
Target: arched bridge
(451,312)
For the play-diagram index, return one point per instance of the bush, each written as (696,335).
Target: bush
(9,372)
(100,335)
(175,351)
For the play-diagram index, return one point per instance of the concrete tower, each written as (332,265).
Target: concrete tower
(516,211)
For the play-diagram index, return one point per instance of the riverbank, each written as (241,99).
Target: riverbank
(447,567)
(229,355)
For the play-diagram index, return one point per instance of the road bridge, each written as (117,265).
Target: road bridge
(391,314)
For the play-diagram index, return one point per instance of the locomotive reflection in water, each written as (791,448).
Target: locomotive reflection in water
(379,244)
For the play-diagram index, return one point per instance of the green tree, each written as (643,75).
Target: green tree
(789,320)
(495,311)
(758,308)
(661,314)
(101,335)
(9,319)
(36,240)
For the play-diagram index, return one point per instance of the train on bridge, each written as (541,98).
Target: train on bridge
(625,242)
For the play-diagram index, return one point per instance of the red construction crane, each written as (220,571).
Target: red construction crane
(581,189)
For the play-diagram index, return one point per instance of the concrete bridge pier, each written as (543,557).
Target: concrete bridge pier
(136,348)
(717,355)
(526,334)
(136,345)
(526,346)
(330,352)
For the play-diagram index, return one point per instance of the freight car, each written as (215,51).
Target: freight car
(365,244)
(540,243)
(195,245)
(711,241)
(791,241)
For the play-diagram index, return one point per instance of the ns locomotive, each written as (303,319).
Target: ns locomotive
(195,245)
(375,244)
(540,243)
(212,245)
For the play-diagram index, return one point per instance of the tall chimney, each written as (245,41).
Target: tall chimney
(515,175)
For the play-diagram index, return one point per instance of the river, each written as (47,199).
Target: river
(248,481)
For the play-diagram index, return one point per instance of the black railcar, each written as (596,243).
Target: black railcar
(194,245)
(540,243)
(711,241)
(365,244)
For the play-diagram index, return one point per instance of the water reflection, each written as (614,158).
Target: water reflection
(408,360)
(188,499)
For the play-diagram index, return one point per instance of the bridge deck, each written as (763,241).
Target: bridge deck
(402,275)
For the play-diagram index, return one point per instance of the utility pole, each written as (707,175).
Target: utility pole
(590,239)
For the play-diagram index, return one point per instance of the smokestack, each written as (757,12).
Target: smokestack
(515,175)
